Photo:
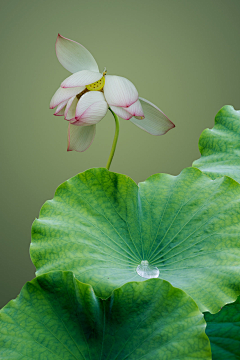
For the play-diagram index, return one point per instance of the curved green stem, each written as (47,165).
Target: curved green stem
(114,140)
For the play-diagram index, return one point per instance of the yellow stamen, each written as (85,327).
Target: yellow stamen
(97,86)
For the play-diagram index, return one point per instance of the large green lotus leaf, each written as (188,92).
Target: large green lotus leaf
(223,330)
(101,226)
(57,317)
(220,146)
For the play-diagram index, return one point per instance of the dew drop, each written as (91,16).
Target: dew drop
(147,271)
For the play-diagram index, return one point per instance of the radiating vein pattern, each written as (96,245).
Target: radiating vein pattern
(58,318)
(101,226)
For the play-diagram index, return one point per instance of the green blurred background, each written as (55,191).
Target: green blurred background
(182,55)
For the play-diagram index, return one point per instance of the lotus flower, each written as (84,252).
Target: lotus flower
(85,96)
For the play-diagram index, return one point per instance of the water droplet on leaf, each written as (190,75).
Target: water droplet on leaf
(147,271)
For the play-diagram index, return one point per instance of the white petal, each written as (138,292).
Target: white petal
(155,122)
(80,137)
(71,108)
(73,56)
(119,91)
(64,94)
(136,109)
(81,78)
(93,114)
(88,99)
(124,114)
(61,108)
(91,108)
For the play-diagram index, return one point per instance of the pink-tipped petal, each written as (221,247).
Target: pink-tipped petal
(71,108)
(61,108)
(119,91)
(124,114)
(64,94)
(81,78)
(61,112)
(136,110)
(73,56)
(155,122)
(80,137)
(85,107)
(69,103)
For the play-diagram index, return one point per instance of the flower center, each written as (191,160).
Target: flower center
(96,86)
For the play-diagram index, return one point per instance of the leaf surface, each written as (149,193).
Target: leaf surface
(223,330)
(57,317)
(101,226)
(220,146)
